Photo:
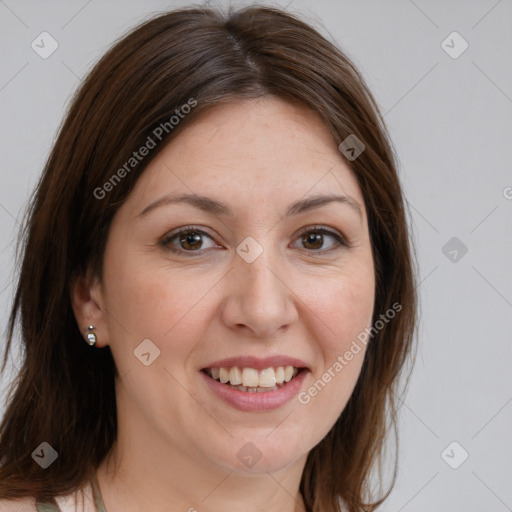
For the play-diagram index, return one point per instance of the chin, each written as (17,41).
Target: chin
(258,455)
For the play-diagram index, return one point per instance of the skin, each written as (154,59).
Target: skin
(177,443)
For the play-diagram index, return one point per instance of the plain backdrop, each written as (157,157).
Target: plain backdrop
(448,109)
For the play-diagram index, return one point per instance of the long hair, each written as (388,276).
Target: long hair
(64,392)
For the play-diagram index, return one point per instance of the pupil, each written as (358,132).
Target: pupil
(190,239)
(314,238)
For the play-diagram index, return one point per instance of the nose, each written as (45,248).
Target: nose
(259,301)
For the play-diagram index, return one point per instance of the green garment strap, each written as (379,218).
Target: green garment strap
(47,507)
(98,500)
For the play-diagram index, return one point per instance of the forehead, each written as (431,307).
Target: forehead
(252,151)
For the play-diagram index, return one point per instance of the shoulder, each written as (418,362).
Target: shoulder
(18,505)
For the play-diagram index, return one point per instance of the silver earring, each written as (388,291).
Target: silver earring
(91,337)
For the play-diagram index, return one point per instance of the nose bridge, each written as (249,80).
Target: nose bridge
(261,285)
(258,298)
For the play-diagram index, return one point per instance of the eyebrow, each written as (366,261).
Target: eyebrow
(215,207)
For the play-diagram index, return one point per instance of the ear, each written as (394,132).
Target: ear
(87,302)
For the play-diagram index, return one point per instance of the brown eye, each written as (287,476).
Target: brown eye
(187,240)
(191,240)
(314,240)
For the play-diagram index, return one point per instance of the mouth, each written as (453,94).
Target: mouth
(254,384)
(252,380)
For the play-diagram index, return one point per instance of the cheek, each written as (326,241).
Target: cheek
(155,302)
(342,307)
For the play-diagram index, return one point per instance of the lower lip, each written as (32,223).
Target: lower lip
(264,401)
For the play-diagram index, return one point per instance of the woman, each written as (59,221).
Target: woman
(216,295)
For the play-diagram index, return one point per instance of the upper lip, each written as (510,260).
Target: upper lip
(257,363)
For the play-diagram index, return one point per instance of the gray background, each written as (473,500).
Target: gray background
(450,120)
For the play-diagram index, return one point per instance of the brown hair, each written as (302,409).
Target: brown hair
(64,393)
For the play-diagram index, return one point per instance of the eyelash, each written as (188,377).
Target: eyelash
(166,241)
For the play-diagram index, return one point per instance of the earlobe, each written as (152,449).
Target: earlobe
(86,301)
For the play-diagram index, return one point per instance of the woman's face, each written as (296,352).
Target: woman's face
(262,278)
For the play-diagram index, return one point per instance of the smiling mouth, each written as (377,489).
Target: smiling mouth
(251,380)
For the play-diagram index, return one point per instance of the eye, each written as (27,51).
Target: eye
(189,239)
(314,239)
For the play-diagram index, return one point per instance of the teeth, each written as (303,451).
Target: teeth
(250,377)
(252,380)
(288,373)
(224,375)
(267,378)
(235,376)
